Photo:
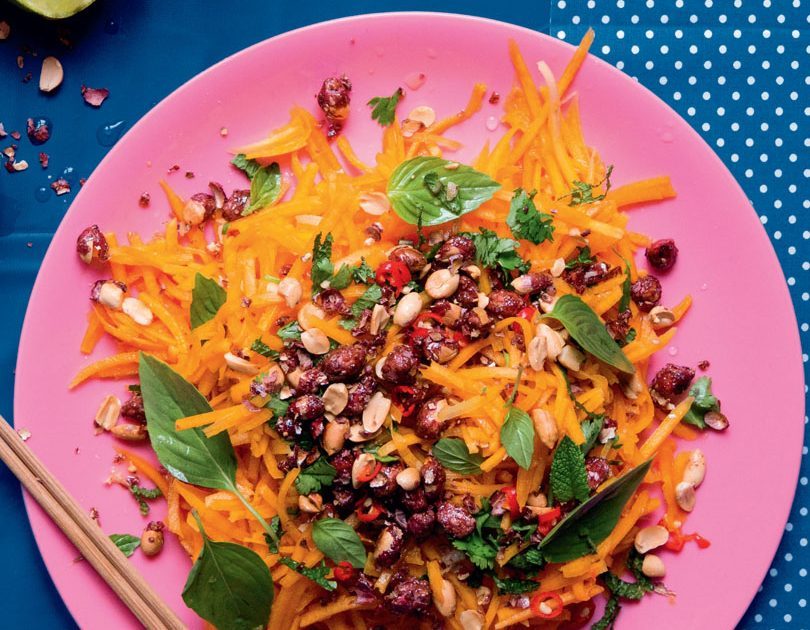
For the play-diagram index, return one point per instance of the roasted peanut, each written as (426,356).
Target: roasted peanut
(407,309)
(649,538)
(441,283)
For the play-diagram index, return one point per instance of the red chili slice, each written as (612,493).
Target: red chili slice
(527,313)
(511,500)
(371,514)
(542,599)
(394,273)
(369,473)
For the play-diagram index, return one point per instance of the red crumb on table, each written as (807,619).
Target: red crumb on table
(43,160)
(143,202)
(61,186)
(94,96)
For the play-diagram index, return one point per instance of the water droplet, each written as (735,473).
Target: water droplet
(111,27)
(431,53)
(107,135)
(704,286)
(672,351)
(42,194)
(492,123)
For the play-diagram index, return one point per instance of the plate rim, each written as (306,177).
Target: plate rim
(615,73)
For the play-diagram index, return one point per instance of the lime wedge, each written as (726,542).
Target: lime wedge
(54,9)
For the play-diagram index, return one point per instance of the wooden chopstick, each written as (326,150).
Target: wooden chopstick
(85,533)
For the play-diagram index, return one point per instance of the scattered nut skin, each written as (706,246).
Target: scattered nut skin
(447,606)
(334,436)
(571,358)
(652,566)
(651,537)
(423,114)
(661,317)
(315,341)
(310,503)
(335,397)
(130,431)
(290,289)
(379,318)
(537,352)
(441,283)
(152,539)
(554,340)
(408,479)
(137,310)
(546,427)
(51,75)
(238,364)
(376,412)
(363,462)
(685,496)
(108,412)
(695,470)
(471,620)
(407,309)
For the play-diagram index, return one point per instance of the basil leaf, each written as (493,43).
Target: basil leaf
(452,453)
(265,182)
(230,586)
(517,436)
(317,573)
(410,197)
(568,477)
(590,523)
(591,428)
(385,107)
(339,542)
(313,478)
(526,221)
(126,543)
(188,455)
(584,325)
(207,297)
(322,266)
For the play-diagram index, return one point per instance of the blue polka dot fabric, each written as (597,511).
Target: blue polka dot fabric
(738,73)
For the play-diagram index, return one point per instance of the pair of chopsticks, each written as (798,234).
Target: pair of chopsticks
(84,533)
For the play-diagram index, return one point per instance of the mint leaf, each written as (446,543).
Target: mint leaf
(452,453)
(583,258)
(207,297)
(384,107)
(317,573)
(342,279)
(339,542)
(568,477)
(259,347)
(313,478)
(608,618)
(493,251)
(277,406)
(526,221)
(249,167)
(531,560)
(370,297)
(704,402)
(511,586)
(517,436)
(322,266)
(126,543)
(465,189)
(584,325)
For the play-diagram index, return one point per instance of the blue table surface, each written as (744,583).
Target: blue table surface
(737,71)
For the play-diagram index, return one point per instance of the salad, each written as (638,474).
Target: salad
(408,392)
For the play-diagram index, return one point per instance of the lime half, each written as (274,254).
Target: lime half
(54,9)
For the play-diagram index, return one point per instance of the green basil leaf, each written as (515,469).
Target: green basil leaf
(317,573)
(265,182)
(188,455)
(313,478)
(339,542)
(517,436)
(126,543)
(568,477)
(452,453)
(207,297)
(590,523)
(410,196)
(584,325)
(230,586)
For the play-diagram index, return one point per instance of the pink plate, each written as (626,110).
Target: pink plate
(752,344)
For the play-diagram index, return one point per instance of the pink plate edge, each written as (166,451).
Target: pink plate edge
(615,74)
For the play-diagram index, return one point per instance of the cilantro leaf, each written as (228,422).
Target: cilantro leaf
(704,402)
(569,479)
(591,427)
(494,251)
(313,478)
(526,221)
(363,274)
(259,347)
(317,573)
(583,258)
(322,266)
(370,297)
(530,560)
(275,526)
(342,279)
(277,406)
(583,193)
(384,108)
(511,586)
(481,552)
(290,332)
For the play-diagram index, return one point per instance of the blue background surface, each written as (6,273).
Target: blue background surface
(737,71)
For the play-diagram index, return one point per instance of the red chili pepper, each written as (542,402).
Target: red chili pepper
(527,313)
(394,273)
(369,473)
(407,410)
(516,328)
(344,571)
(543,599)
(371,514)
(547,520)
(511,500)
(677,540)
(427,315)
